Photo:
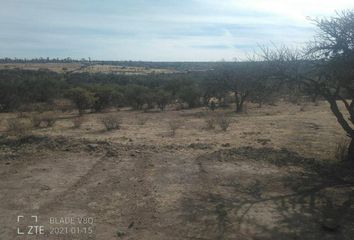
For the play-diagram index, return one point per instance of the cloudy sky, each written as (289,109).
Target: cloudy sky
(155,30)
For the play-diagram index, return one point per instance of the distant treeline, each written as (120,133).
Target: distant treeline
(180,66)
(21,88)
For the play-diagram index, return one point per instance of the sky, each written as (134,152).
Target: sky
(156,30)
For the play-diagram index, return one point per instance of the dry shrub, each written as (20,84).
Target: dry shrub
(36,120)
(78,121)
(142,120)
(111,122)
(341,150)
(22,114)
(223,122)
(174,125)
(18,126)
(210,123)
(43,120)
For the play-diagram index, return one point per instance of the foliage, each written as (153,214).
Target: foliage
(191,95)
(162,98)
(106,96)
(82,98)
(326,69)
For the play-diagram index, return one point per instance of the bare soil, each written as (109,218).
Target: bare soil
(271,175)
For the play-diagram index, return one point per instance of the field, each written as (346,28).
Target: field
(85,68)
(271,175)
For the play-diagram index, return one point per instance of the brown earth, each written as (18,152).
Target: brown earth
(271,175)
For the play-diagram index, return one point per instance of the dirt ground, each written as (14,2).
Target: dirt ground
(271,175)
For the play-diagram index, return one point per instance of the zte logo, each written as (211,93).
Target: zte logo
(33,229)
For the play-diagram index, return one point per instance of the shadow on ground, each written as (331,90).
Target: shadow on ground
(277,194)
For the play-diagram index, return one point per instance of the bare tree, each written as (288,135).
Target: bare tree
(325,68)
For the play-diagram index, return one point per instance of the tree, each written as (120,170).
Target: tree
(326,68)
(162,98)
(215,85)
(106,96)
(191,95)
(136,96)
(82,98)
(242,78)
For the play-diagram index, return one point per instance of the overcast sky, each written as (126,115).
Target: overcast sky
(155,30)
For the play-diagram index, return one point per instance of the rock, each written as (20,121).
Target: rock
(92,146)
(45,188)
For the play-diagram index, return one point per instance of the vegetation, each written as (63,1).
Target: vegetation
(325,70)
(174,125)
(223,122)
(18,126)
(78,121)
(111,122)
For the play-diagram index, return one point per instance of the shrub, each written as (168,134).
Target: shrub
(136,96)
(77,122)
(106,96)
(22,114)
(341,150)
(18,126)
(210,123)
(190,95)
(111,122)
(49,119)
(82,98)
(43,120)
(36,120)
(174,125)
(162,99)
(223,122)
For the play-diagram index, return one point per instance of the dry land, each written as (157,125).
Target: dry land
(85,68)
(271,175)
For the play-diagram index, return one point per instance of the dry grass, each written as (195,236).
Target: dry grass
(18,126)
(141,120)
(341,150)
(210,123)
(223,122)
(43,120)
(78,121)
(174,125)
(111,122)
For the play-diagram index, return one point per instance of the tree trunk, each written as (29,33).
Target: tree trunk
(351,151)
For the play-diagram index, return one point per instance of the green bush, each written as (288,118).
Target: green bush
(82,98)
